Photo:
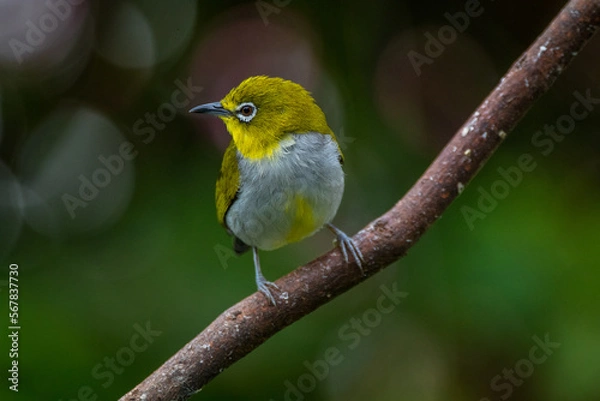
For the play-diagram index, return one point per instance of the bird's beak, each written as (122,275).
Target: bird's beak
(215,109)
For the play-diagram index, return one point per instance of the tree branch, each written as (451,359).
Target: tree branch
(246,325)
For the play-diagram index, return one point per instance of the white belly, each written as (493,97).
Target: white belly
(289,196)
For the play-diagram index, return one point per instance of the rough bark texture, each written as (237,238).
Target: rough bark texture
(245,326)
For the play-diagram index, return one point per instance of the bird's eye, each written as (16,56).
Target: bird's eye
(246,111)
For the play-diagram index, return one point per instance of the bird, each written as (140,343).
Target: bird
(281,179)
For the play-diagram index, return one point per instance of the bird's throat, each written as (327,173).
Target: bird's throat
(259,148)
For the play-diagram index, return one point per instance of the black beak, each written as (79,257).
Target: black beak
(215,109)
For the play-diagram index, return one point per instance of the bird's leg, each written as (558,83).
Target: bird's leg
(261,282)
(346,244)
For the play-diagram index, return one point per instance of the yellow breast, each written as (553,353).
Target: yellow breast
(303,221)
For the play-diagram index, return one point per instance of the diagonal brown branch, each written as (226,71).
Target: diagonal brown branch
(246,325)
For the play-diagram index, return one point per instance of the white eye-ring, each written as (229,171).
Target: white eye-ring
(246,111)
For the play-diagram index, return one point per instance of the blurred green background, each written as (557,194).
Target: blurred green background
(88,84)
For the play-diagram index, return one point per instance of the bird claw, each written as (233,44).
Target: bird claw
(263,286)
(261,282)
(347,245)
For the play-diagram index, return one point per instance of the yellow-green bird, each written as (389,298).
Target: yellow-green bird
(281,179)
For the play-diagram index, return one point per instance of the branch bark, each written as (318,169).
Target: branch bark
(246,325)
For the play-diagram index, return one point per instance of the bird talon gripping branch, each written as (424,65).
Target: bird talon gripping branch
(346,243)
(281,179)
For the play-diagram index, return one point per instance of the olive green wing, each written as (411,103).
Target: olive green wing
(228,183)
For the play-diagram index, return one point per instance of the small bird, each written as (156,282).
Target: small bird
(281,179)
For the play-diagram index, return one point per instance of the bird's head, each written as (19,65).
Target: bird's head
(261,111)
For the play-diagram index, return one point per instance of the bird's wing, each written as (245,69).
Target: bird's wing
(228,183)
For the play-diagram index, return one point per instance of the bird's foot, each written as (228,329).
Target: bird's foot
(263,286)
(261,282)
(347,246)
